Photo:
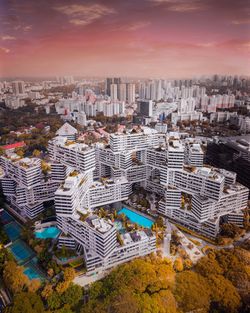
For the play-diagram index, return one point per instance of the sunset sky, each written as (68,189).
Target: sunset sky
(139,38)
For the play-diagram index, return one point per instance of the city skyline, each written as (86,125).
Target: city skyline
(149,38)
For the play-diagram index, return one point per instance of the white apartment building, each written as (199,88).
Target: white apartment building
(79,194)
(85,177)
(194,154)
(76,155)
(186,111)
(24,185)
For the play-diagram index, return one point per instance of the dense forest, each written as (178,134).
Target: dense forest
(218,283)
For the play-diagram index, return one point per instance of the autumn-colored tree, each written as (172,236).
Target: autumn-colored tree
(65,309)
(36,153)
(178,265)
(230,230)
(69,274)
(47,291)
(45,167)
(62,287)
(208,265)
(192,292)
(224,295)
(19,152)
(34,285)
(187,264)
(27,302)
(14,277)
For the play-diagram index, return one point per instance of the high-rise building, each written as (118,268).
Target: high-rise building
(158,94)
(122,92)
(113,91)
(131,93)
(145,107)
(109,81)
(18,87)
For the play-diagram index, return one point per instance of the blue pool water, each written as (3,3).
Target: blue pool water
(5,217)
(32,271)
(13,230)
(137,218)
(23,254)
(21,251)
(49,232)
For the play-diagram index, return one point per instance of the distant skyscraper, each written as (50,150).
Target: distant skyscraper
(158,88)
(142,91)
(131,93)
(109,81)
(69,80)
(152,91)
(145,107)
(113,91)
(18,87)
(117,80)
(122,92)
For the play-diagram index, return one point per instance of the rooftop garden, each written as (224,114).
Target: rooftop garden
(73,173)
(69,142)
(83,217)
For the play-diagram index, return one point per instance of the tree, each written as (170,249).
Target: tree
(34,285)
(19,152)
(36,153)
(62,286)
(192,292)
(178,265)
(64,309)
(188,264)
(208,265)
(14,277)
(27,302)
(72,295)
(47,291)
(5,257)
(69,274)
(224,295)
(230,230)
(54,301)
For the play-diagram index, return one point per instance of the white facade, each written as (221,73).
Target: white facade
(25,186)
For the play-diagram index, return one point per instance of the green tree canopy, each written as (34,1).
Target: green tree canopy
(27,302)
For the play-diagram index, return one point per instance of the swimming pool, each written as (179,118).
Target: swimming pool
(5,217)
(32,271)
(21,252)
(13,230)
(49,232)
(137,218)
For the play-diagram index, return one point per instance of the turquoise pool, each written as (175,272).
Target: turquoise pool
(49,232)
(21,252)
(5,217)
(137,218)
(32,271)
(13,230)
